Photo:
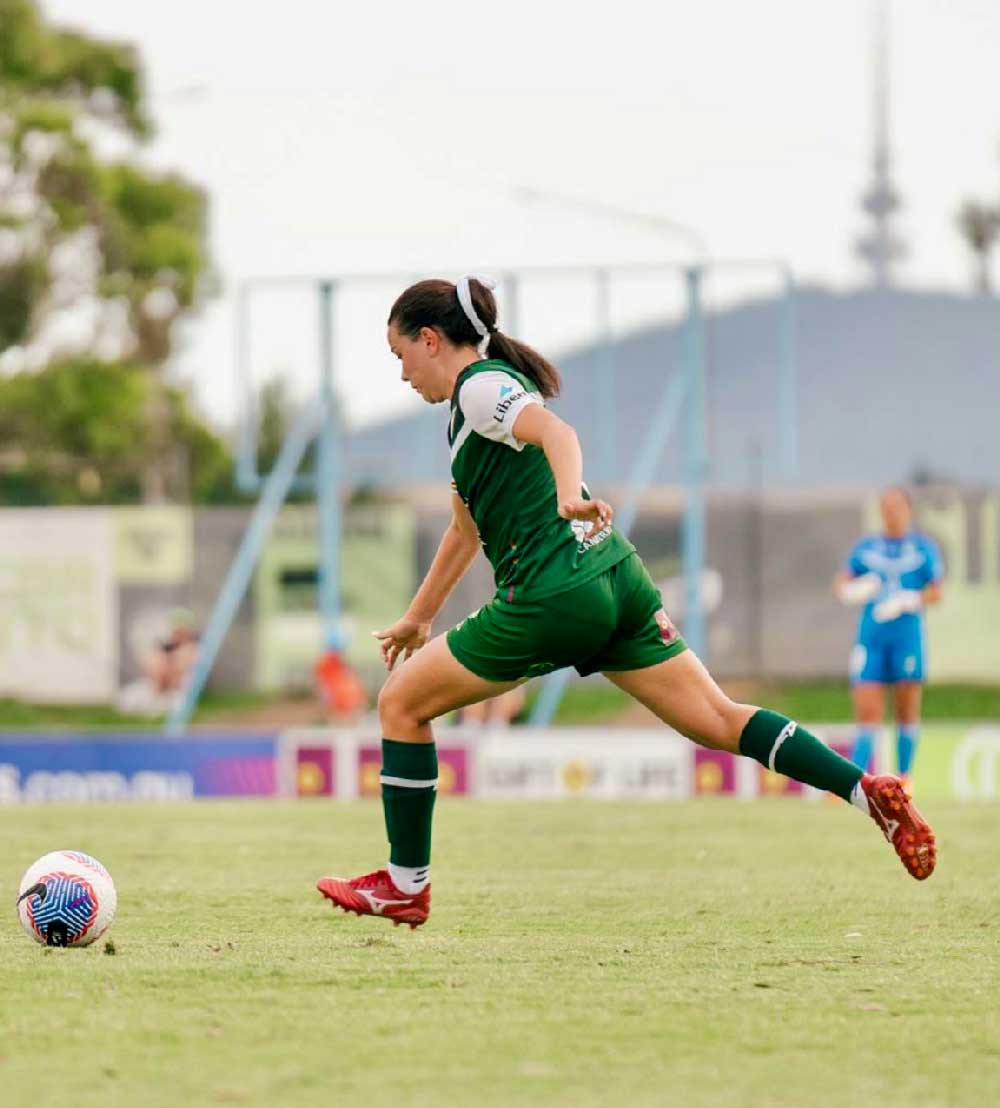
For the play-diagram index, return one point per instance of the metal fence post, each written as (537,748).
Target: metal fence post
(273,494)
(693,553)
(606,412)
(328,474)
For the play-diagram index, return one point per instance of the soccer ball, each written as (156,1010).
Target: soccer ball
(66,899)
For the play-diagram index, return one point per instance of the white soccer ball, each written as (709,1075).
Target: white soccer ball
(66,899)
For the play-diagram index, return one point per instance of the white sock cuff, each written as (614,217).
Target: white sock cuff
(409,879)
(859,799)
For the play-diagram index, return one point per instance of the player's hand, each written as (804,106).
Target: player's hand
(859,590)
(403,637)
(906,600)
(597,512)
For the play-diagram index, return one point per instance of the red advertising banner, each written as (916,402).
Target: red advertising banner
(714,772)
(453,770)
(315,774)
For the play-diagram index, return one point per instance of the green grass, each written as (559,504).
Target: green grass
(589,702)
(21,713)
(595,701)
(830,702)
(709,953)
(817,701)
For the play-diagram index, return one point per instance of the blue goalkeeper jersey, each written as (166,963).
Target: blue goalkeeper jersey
(911,562)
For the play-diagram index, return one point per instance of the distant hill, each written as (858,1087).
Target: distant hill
(892,384)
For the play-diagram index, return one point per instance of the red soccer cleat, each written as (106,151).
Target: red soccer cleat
(890,806)
(376,895)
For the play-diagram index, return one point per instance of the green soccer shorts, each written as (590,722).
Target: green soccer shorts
(614,622)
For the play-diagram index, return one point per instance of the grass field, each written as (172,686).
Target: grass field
(589,702)
(598,701)
(709,953)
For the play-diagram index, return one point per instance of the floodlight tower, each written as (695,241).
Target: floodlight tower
(880,247)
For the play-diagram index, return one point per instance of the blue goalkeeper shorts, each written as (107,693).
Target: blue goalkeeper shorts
(888,658)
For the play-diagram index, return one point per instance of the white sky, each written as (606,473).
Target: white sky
(390,136)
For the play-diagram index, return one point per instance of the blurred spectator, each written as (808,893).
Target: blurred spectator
(165,666)
(339,688)
(500,711)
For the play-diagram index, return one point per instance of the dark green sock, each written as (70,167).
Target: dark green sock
(787,747)
(409,786)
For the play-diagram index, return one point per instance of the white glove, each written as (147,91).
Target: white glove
(906,600)
(859,590)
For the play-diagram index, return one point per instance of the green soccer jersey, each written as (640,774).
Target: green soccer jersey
(509,489)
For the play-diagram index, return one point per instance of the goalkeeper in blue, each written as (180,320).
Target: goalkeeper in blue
(894,576)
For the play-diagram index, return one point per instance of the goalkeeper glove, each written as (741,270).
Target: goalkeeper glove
(906,600)
(859,590)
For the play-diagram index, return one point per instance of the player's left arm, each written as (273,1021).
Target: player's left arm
(932,592)
(537,426)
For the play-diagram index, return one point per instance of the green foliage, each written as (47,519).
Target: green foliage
(980,224)
(276,415)
(208,460)
(50,116)
(39,60)
(20,286)
(155,226)
(274,422)
(68,183)
(75,433)
(151,235)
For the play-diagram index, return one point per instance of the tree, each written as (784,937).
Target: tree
(275,410)
(980,224)
(74,433)
(127,243)
(273,422)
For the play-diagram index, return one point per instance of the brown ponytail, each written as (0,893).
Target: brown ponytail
(435,304)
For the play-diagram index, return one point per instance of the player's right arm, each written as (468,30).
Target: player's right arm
(558,440)
(455,554)
(931,591)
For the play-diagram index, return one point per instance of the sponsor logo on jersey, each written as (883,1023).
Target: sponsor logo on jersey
(506,403)
(579,528)
(668,632)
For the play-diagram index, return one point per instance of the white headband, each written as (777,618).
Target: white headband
(465,299)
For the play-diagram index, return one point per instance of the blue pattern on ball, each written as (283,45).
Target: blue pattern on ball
(68,901)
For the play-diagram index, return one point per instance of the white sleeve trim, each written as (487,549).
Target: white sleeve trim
(491,403)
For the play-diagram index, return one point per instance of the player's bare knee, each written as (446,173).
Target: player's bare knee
(392,711)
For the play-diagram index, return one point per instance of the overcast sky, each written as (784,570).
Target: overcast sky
(390,136)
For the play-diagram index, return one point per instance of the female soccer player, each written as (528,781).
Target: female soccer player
(570,591)
(894,575)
